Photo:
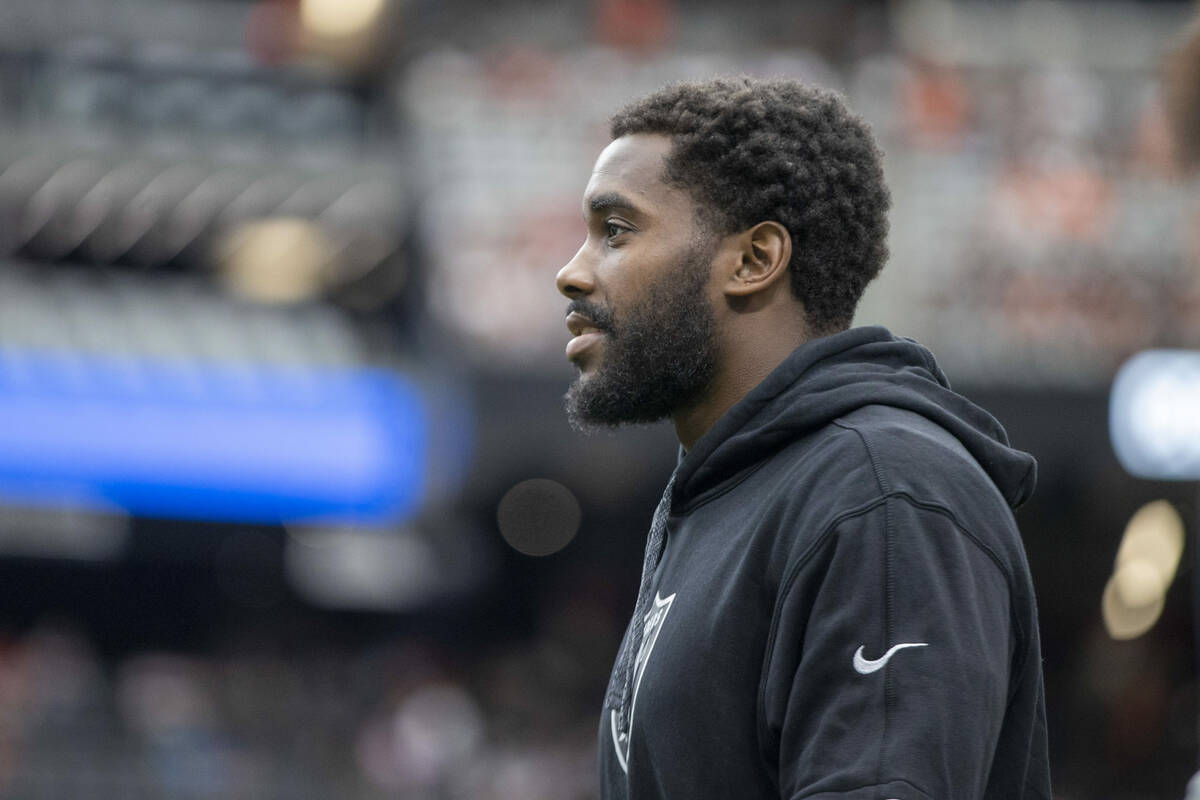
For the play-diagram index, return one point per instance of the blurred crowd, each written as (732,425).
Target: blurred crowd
(408,717)
(1039,235)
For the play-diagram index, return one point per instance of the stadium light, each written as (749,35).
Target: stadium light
(276,260)
(339,18)
(1154,415)
(1145,566)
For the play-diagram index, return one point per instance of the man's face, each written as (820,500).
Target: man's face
(641,310)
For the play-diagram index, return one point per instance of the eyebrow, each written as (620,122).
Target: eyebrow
(608,201)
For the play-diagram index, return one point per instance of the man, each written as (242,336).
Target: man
(835,600)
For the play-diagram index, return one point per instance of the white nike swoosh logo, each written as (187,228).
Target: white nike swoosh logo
(864,666)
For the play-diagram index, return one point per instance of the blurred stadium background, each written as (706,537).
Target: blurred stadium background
(279,345)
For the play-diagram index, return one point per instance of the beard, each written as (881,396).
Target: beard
(660,355)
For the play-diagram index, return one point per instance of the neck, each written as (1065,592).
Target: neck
(747,358)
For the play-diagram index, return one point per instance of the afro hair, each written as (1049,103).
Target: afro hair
(751,151)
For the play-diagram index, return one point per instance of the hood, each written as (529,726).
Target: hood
(827,378)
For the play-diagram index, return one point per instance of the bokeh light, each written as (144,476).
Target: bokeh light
(277,260)
(538,516)
(1146,562)
(336,18)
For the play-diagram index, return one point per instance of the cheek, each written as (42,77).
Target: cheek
(622,278)
(650,265)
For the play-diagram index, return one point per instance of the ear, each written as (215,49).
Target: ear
(760,259)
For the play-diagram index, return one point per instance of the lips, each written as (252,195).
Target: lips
(586,334)
(576,346)
(579,324)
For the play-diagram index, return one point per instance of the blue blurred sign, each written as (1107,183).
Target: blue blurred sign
(1154,414)
(213,441)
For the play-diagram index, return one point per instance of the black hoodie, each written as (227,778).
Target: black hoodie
(843,608)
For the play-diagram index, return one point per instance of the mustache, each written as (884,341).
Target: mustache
(601,317)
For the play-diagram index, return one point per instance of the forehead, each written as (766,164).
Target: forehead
(632,166)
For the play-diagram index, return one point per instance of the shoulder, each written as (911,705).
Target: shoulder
(876,453)
(915,460)
(914,457)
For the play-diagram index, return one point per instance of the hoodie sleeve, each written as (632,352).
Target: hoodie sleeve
(887,673)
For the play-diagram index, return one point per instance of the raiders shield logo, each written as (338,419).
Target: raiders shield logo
(655,618)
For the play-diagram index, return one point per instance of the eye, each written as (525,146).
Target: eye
(614,229)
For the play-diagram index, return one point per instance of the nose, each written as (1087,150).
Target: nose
(575,279)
